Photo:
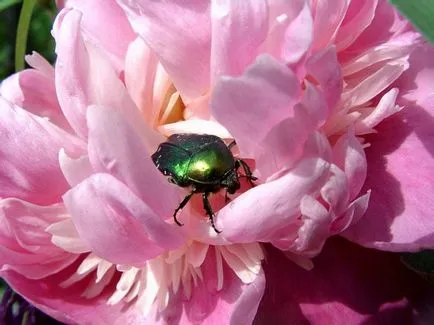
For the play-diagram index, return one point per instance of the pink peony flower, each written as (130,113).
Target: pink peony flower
(330,106)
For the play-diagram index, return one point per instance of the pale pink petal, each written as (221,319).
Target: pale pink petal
(34,91)
(105,25)
(67,305)
(257,101)
(27,247)
(387,25)
(129,232)
(75,170)
(236,303)
(315,103)
(179,33)
(83,75)
(283,146)
(335,192)
(38,62)
(258,214)
(349,155)
(379,54)
(315,229)
(198,108)
(116,149)
(318,214)
(354,213)
(30,170)
(385,108)
(238,28)
(65,236)
(327,21)
(366,88)
(281,15)
(325,69)
(140,74)
(359,15)
(400,164)
(195,126)
(71,69)
(298,37)
(347,285)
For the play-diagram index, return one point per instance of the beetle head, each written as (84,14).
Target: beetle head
(231,182)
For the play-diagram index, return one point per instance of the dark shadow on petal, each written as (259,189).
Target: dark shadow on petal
(348,285)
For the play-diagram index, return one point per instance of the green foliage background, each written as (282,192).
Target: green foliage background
(39,38)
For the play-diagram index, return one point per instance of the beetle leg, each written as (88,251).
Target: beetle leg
(230,145)
(247,171)
(183,203)
(208,210)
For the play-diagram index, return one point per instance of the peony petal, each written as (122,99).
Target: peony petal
(315,230)
(400,160)
(105,25)
(281,15)
(236,303)
(116,224)
(399,217)
(67,305)
(415,83)
(238,28)
(349,155)
(348,285)
(366,89)
(195,126)
(258,214)
(387,26)
(83,75)
(30,170)
(65,235)
(182,45)
(385,108)
(115,148)
(35,91)
(257,101)
(38,62)
(75,170)
(26,247)
(283,146)
(325,69)
(141,88)
(359,15)
(71,69)
(298,36)
(327,22)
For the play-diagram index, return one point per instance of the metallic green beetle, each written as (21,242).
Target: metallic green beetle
(203,163)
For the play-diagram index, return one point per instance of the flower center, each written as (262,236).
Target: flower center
(172,107)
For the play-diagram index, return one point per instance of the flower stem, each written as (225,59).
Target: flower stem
(22,33)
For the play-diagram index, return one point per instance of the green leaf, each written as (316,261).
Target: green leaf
(422,263)
(420,13)
(5,4)
(22,33)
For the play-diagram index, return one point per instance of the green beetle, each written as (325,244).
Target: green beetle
(203,163)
